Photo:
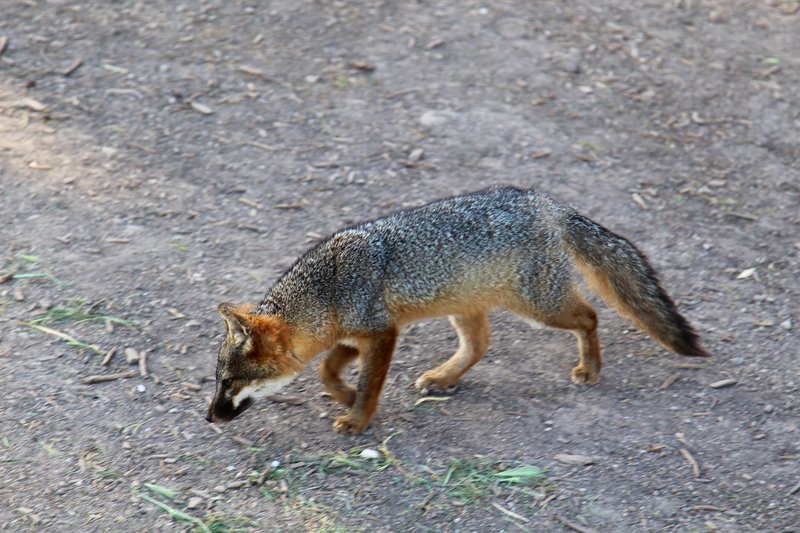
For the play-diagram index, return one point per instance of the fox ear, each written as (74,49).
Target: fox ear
(238,324)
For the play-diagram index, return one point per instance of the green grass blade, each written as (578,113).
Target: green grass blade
(522,472)
(164,492)
(175,513)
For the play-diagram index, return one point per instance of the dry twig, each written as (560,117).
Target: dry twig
(102,378)
(692,461)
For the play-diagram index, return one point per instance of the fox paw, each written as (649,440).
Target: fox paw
(432,380)
(343,394)
(350,424)
(582,375)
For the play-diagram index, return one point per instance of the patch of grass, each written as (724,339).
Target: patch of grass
(19,268)
(319,518)
(69,339)
(192,459)
(78,312)
(342,81)
(176,514)
(473,479)
(220,523)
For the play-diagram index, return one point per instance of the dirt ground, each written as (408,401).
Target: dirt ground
(157,158)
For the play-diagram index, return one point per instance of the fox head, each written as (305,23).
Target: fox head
(254,361)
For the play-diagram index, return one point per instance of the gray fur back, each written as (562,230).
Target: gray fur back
(515,236)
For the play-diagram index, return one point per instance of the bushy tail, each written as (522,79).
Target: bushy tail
(622,275)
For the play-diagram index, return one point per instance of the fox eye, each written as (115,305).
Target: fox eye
(227,383)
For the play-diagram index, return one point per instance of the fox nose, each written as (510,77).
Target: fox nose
(209,417)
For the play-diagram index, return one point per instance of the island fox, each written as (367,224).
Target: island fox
(462,256)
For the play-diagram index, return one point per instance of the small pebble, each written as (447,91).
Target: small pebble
(435,118)
(131,356)
(369,453)
(769,408)
(416,155)
(275,464)
(140,387)
(194,502)
(573,459)
(220,488)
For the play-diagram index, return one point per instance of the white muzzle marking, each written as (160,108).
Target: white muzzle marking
(260,388)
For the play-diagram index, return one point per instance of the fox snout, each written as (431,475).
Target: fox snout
(225,411)
(231,401)
(223,408)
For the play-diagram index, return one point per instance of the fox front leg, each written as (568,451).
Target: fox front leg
(376,356)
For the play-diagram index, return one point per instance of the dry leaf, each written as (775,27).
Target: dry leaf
(252,71)
(32,103)
(746,273)
(201,108)
(638,200)
(573,459)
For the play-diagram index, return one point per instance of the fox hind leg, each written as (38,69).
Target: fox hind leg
(473,341)
(581,318)
(576,315)
(330,372)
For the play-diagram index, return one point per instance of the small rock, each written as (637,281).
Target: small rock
(434,118)
(737,361)
(722,383)
(140,387)
(573,459)
(19,295)
(275,464)
(573,67)
(131,356)
(369,453)
(194,502)
(416,155)
(33,104)
(787,324)
(769,408)
(491,163)
(717,17)
(220,488)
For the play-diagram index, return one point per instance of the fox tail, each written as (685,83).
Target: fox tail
(621,274)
